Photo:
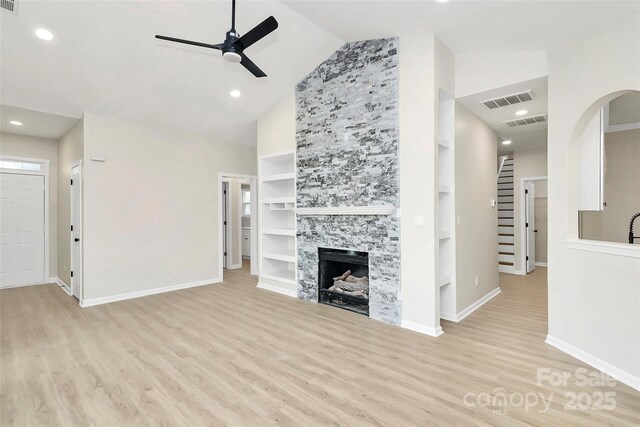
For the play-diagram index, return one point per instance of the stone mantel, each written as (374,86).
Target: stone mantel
(347,210)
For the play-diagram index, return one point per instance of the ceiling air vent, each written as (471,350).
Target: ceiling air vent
(526,121)
(9,5)
(504,101)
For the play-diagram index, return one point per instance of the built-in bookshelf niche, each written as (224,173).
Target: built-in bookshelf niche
(446,205)
(277,222)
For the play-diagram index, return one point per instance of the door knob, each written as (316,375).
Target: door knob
(76,240)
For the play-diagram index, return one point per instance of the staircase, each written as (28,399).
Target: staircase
(506,255)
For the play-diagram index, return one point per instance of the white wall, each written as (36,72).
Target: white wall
(420,295)
(477,232)
(527,163)
(150,210)
(277,128)
(70,150)
(39,148)
(594,298)
(476,73)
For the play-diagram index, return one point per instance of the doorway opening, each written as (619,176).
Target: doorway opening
(237,223)
(533,191)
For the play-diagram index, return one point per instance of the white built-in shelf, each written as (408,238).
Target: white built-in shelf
(444,234)
(444,142)
(287,206)
(446,203)
(277,199)
(444,189)
(280,231)
(281,255)
(445,280)
(286,276)
(278,177)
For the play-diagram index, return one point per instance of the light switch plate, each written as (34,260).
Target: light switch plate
(418,221)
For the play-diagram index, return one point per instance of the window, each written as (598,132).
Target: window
(25,166)
(246,202)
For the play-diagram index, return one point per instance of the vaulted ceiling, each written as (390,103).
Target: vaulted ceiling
(104,57)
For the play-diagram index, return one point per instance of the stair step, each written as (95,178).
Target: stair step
(506,253)
(505,244)
(505,263)
(505,234)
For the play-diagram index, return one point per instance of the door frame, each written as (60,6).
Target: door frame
(227,241)
(523,230)
(253,184)
(44,172)
(78,278)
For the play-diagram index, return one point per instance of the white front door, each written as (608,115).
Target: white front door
(21,229)
(530,225)
(76,232)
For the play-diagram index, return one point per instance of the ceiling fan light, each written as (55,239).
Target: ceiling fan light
(232,57)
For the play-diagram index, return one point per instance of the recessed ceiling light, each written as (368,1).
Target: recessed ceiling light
(234,93)
(15,123)
(44,34)
(521,112)
(506,141)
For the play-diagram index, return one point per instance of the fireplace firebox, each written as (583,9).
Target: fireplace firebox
(343,279)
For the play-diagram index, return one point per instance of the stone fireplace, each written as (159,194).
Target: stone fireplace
(347,172)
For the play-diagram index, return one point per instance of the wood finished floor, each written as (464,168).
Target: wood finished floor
(232,354)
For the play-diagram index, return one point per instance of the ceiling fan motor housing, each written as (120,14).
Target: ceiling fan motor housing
(230,52)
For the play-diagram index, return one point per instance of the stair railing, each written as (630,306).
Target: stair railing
(503,159)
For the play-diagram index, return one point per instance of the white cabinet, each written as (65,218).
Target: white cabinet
(591,166)
(246,242)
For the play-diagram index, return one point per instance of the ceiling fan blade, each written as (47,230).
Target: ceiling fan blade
(253,68)
(258,32)
(173,39)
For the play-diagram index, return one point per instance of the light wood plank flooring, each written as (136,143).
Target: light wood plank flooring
(231,354)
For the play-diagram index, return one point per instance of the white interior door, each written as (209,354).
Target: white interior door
(530,225)
(76,231)
(21,229)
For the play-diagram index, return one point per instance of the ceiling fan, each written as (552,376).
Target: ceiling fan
(233,46)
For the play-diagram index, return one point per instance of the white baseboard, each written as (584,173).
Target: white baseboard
(288,292)
(58,281)
(25,284)
(130,295)
(622,376)
(234,266)
(541,264)
(506,269)
(423,329)
(473,307)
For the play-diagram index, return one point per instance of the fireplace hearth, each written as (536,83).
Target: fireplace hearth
(343,279)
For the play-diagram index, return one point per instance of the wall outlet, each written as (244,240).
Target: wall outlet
(458,219)
(399,296)
(477,281)
(64,267)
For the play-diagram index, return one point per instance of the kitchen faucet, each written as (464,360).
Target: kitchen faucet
(631,237)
